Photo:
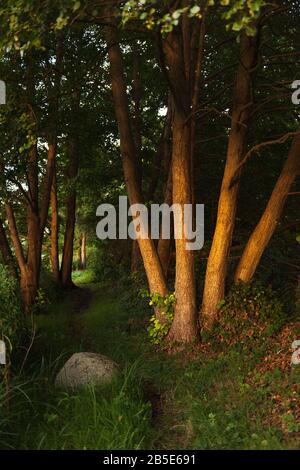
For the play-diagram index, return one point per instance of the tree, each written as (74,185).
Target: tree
(153,268)
(268,222)
(241,112)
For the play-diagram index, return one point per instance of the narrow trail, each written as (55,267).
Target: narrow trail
(162,406)
(82,298)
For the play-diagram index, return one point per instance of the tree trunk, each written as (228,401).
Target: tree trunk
(28,279)
(67,258)
(183,70)
(184,327)
(214,288)
(83,252)
(54,250)
(31,275)
(154,272)
(266,227)
(48,183)
(164,245)
(29,287)
(135,257)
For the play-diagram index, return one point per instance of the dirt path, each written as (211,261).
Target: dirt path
(82,298)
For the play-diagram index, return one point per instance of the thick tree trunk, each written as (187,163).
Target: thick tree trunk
(184,327)
(214,288)
(182,68)
(31,275)
(154,272)
(54,249)
(266,227)
(29,287)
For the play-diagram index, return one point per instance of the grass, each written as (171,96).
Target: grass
(202,399)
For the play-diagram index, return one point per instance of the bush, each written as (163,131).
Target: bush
(158,330)
(249,312)
(10,310)
(103,265)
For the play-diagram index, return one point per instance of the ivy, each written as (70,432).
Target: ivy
(158,329)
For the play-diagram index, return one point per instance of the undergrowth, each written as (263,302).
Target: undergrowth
(212,396)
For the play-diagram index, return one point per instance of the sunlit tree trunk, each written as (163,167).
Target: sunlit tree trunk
(266,227)
(214,288)
(28,283)
(184,327)
(165,245)
(182,64)
(82,249)
(154,272)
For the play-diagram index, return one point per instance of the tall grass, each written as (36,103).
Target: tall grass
(37,416)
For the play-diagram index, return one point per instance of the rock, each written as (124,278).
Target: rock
(84,369)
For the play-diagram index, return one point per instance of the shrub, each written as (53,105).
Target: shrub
(249,312)
(158,330)
(103,265)
(10,310)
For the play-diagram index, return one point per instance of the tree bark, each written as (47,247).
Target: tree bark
(28,282)
(48,183)
(184,327)
(154,272)
(164,245)
(214,288)
(54,248)
(68,249)
(34,235)
(266,227)
(83,252)
(182,66)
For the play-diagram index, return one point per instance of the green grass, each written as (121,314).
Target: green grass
(199,400)
(83,277)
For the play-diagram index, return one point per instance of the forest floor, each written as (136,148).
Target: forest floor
(200,398)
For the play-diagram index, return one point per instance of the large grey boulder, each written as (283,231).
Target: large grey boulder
(84,369)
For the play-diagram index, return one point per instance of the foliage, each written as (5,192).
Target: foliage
(103,265)
(239,15)
(249,312)
(152,15)
(25,23)
(10,310)
(159,327)
(207,401)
